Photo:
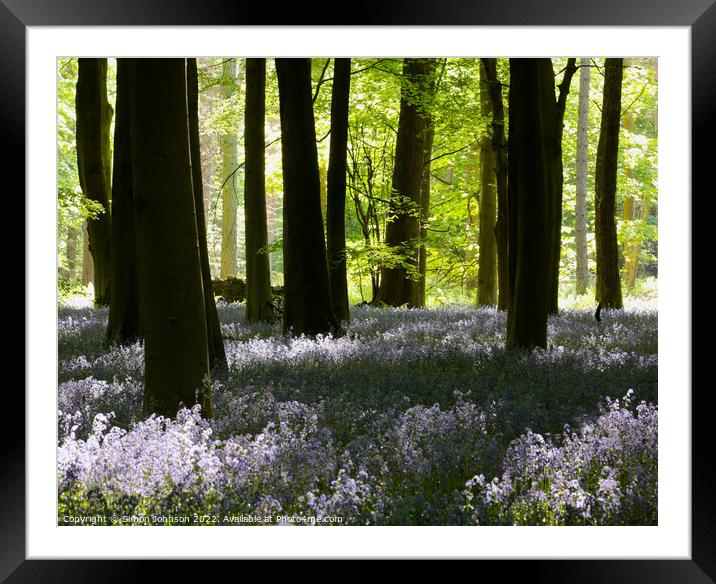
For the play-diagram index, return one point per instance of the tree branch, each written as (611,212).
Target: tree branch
(321,81)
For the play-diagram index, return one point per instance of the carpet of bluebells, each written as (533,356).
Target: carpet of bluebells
(414,417)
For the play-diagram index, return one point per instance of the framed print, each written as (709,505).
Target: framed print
(669,540)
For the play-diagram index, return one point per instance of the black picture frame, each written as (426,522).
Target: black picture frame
(17,15)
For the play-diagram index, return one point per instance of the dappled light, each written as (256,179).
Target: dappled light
(357,291)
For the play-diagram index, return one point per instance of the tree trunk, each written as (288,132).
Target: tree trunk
(487,268)
(424,214)
(94,116)
(271,219)
(307,302)
(581,176)
(176,354)
(499,146)
(323,183)
(217,355)
(531,192)
(631,248)
(609,293)
(646,207)
(398,282)
(123,324)
(229,251)
(258,275)
(73,237)
(87,263)
(336,190)
(558,180)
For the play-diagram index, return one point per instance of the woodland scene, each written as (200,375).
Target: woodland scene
(357,291)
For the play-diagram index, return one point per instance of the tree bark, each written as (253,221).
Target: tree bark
(398,282)
(499,146)
(558,180)
(531,192)
(258,275)
(176,355)
(487,268)
(631,243)
(609,293)
(217,355)
(87,263)
(323,183)
(94,116)
(307,302)
(123,324)
(424,214)
(336,190)
(581,179)
(229,251)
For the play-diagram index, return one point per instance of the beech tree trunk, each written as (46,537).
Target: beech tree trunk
(258,274)
(499,146)
(176,354)
(94,116)
(487,268)
(307,301)
(424,214)
(609,293)
(531,198)
(217,355)
(631,242)
(87,263)
(336,190)
(398,282)
(581,179)
(631,248)
(323,183)
(123,324)
(558,180)
(229,250)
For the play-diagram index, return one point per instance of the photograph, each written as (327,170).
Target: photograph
(424,277)
(357,291)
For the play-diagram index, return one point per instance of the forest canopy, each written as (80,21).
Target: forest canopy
(451,227)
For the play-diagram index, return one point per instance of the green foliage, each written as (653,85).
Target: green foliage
(637,170)
(452,224)
(71,289)
(73,208)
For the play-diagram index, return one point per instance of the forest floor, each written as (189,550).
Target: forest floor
(414,417)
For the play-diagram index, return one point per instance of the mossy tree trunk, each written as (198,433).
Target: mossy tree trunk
(424,215)
(487,267)
(499,146)
(94,117)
